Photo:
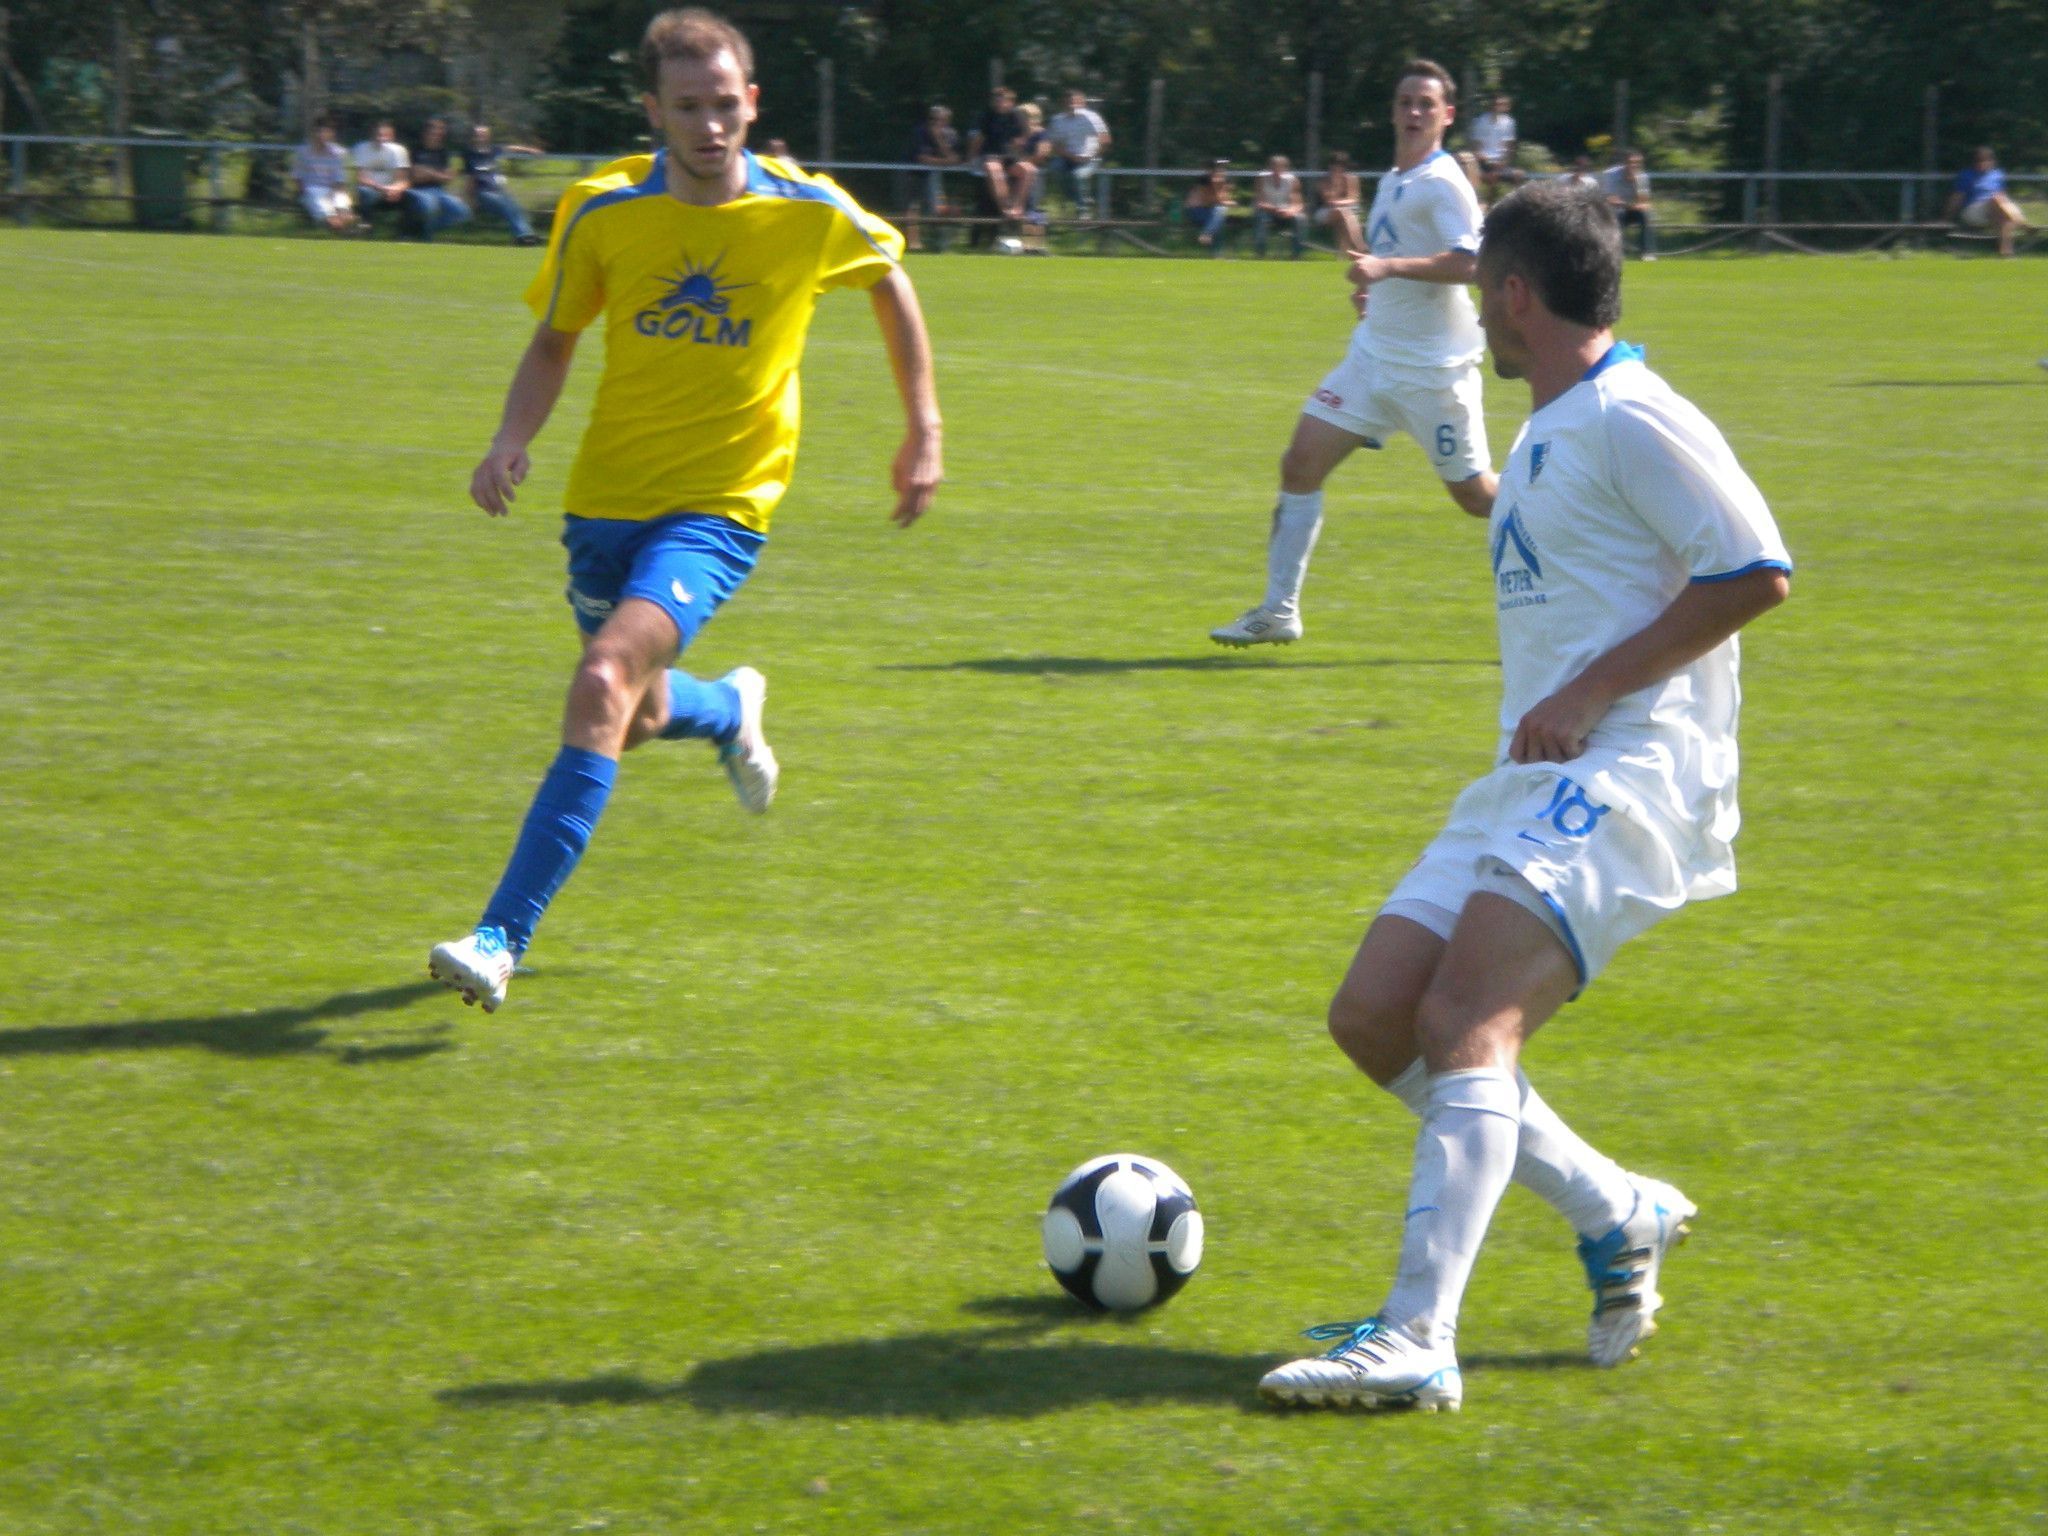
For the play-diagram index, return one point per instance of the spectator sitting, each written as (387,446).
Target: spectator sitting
(321,169)
(990,150)
(1338,199)
(1582,175)
(1027,165)
(1276,199)
(487,182)
(1207,207)
(1494,140)
(778,149)
(937,145)
(1980,201)
(1080,138)
(381,164)
(432,206)
(1628,194)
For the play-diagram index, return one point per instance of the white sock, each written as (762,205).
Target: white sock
(1296,522)
(1587,1188)
(1464,1158)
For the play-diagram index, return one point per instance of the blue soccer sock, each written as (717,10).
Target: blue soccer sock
(700,709)
(556,831)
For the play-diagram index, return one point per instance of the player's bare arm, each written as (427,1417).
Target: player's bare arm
(919,464)
(1450,267)
(536,385)
(1700,618)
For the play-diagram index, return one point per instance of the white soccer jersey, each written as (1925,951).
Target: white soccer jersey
(1616,496)
(1424,211)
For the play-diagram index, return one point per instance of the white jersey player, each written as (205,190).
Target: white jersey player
(1627,549)
(1413,363)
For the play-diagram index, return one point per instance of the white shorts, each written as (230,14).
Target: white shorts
(1598,874)
(324,203)
(1375,400)
(1977,214)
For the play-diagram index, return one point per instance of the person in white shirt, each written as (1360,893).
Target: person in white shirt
(382,171)
(1080,138)
(1276,199)
(1628,548)
(1413,363)
(320,167)
(1494,139)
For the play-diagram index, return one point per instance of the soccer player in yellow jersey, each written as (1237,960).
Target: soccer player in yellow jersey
(706,262)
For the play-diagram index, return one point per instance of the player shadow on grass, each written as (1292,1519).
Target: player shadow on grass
(1088,666)
(948,1374)
(271,1032)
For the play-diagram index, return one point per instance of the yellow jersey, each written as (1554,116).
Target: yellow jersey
(706,313)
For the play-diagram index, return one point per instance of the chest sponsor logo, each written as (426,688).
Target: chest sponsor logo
(1382,237)
(1517,569)
(695,305)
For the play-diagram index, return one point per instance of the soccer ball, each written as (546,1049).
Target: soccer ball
(1122,1232)
(1010,245)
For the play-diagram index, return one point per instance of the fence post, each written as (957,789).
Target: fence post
(216,190)
(6,62)
(825,111)
(1930,145)
(1774,127)
(121,78)
(1155,126)
(1312,140)
(1749,199)
(20,158)
(1620,117)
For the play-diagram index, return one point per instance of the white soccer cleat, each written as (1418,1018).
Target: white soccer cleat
(1622,1270)
(479,967)
(747,759)
(1259,626)
(1371,1366)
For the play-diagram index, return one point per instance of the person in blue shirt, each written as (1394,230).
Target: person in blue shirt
(1980,201)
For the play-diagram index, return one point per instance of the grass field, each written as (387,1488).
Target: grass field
(728,1221)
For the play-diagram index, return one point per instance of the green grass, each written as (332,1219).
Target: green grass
(727,1222)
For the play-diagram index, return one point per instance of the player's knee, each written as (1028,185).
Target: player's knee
(1375,1030)
(1452,1031)
(602,687)
(1299,472)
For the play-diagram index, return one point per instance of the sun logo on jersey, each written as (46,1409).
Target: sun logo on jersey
(692,298)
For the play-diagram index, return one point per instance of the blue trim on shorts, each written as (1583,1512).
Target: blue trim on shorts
(1571,940)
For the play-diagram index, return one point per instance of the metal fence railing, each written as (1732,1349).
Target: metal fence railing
(174,183)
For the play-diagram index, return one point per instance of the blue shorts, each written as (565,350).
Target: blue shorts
(686,564)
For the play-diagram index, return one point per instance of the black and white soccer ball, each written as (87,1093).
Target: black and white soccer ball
(1122,1232)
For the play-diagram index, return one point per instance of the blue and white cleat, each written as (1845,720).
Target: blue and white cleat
(747,759)
(1622,1270)
(479,967)
(1371,1366)
(1258,626)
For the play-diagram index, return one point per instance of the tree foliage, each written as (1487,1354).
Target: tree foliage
(1236,73)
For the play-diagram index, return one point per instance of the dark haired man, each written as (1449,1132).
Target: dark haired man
(1628,548)
(1413,363)
(707,263)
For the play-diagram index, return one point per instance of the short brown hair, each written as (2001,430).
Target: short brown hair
(1564,242)
(691,34)
(1429,69)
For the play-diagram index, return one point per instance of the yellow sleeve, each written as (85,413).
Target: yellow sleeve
(860,249)
(568,291)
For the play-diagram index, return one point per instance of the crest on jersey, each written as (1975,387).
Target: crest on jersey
(1538,452)
(1517,572)
(696,305)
